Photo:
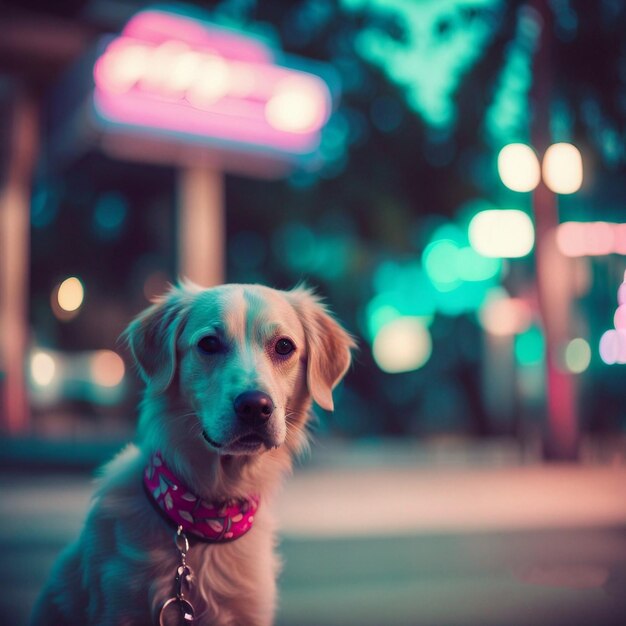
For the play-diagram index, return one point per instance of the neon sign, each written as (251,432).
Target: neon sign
(167,73)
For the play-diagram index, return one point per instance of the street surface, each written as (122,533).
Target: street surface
(388,539)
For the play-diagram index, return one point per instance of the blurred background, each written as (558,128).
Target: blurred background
(450,175)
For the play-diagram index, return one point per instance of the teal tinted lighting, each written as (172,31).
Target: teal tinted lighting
(427,63)
(474,267)
(440,263)
(530,347)
(109,214)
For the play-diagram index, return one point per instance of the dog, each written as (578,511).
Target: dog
(180,529)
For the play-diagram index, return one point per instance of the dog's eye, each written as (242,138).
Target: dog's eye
(284,347)
(210,344)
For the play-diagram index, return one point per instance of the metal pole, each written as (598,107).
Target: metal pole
(201,225)
(562,436)
(14,265)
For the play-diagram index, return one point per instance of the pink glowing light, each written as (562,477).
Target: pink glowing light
(570,239)
(619,319)
(620,238)
(613,347)
(157,27)
(178,75)
(576,239)
(505,316)
(600,239)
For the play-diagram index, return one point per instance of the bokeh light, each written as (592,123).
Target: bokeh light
(379,312)
(107,368)
(122,68)
(563,168)
(70,294)
(613,347)
(402,345)
(297,107)
(619,234)
(503,316)
(518,167)
(439,260)
(474,267)
(450,262)
(306,251)
(109,215)
(576,239)
(389,306)
(530,346)
(621,292)
(577,355)
(503,233)
(42,368)
(619,319)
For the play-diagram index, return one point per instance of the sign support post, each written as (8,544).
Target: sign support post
(201,225)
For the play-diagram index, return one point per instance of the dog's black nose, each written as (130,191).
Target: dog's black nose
(254,407)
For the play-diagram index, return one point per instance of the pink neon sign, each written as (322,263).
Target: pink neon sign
(176,74)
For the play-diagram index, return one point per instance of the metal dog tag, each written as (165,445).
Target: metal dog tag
(186,610)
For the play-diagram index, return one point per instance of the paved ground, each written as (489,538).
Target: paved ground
(389,539)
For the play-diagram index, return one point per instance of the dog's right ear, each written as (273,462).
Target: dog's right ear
(152,337)
(329,346)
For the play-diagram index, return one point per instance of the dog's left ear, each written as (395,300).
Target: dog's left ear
(328,346)
(152,337)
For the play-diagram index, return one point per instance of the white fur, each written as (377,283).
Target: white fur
(121,568)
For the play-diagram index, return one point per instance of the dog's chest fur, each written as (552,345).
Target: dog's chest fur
(233,583)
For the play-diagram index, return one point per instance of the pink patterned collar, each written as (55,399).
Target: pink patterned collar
(210,522)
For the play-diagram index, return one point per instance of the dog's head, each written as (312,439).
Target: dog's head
(236,365)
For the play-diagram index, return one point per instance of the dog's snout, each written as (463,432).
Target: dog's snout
(254,407)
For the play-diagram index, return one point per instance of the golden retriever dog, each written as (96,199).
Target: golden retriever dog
(180,530)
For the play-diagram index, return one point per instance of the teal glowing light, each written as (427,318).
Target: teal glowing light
(440,263)
(379,312)
(295,243)
(438,49)
(44,208)
(109,215)
(465,298)
(449,261)
(451,279)
(403,291)
(306,252)
(386,308)
(507,118)
(450,231)
(530,347)
(473,267)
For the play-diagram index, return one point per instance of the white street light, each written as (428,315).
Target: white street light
(518,167)
(562,168)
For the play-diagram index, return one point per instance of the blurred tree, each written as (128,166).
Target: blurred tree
(430,90)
